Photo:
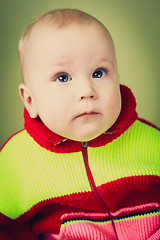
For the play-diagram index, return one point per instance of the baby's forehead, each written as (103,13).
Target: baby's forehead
(68,37)
(51,22)
(44,27)
(45,30)
(51,27)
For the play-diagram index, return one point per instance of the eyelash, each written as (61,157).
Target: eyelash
(105,70)
(62,74)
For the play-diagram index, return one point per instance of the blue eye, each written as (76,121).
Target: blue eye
(63,78)
(99,73)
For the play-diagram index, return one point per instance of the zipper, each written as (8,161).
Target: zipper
(93,185)
(90,177)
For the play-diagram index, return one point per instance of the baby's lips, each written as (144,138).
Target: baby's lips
(87,113)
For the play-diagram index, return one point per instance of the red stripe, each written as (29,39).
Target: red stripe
(124,192)
(119,194)
(131,191)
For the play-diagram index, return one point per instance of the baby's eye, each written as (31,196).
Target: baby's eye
(63,78)
(99,73)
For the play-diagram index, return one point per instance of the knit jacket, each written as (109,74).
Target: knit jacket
(104,189)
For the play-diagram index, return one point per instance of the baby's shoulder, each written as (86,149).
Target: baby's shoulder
(14,142)
(143,128)
(144,136)
(15,147)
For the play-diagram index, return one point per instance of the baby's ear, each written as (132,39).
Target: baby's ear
(28,100)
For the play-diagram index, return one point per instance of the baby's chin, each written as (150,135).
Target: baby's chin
(85,137)
(88,134)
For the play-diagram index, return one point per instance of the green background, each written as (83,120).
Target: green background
(134,26)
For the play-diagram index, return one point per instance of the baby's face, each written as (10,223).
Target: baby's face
(73,81)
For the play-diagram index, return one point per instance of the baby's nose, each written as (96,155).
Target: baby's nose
(87,91)
(88,96)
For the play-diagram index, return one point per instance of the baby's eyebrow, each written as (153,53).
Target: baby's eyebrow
(68,61)
(64,62)
(105,60)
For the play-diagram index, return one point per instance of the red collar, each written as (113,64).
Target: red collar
(55,143)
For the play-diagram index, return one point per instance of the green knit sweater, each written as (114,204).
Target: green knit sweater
(108,188)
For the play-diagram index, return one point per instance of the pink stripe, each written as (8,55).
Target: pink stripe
(155,236)
(86,231)
(139,228)
(136,209)
(122,213)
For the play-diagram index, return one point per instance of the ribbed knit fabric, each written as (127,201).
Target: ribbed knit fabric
(55,188)
(82,227)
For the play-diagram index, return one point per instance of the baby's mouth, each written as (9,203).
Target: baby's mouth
(87,114)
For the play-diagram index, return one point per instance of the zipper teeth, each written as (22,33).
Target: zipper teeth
(93,186)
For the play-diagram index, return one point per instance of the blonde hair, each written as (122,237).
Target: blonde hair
(59,18)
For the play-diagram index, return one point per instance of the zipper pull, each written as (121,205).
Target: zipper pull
(84,144)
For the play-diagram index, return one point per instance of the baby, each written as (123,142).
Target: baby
(85,166)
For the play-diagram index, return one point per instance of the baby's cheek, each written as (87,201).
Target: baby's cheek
(112,108)
(114,102)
